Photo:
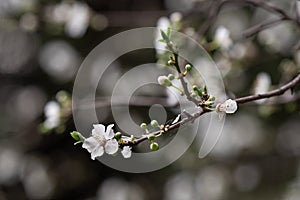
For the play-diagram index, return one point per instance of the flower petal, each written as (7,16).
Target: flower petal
(111,146)
(109,134)
(90,144)
(231,106)
(97,152)
(99,130)
(126,152)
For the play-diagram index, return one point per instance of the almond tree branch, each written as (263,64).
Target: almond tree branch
(215,8)
(164,130)
(262,26)
(279,91)
(191,117)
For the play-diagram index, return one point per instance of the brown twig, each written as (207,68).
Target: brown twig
(212,15)
(279,91)
(262,26)
(215,7)
(191,117)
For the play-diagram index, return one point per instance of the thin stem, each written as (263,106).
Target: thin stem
(177,88)
(260,27)
(277,92)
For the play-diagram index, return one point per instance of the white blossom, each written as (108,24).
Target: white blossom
(126,152)
(164,80)
(176,17)
(78,20)
(222,37)
(52,113)
(229,106)
(101,141)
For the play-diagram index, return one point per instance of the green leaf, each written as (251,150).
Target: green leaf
(164,36)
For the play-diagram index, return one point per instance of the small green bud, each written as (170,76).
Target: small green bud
(154,123)
(143,126)
(170,62)
(195,87)
(164,81)
(118,135)
(188,67)
(77,136)
(151,137)
(198,90)
(171,77)
(62,96)
(154,146)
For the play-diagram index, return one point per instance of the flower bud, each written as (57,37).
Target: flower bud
(170,62)
(164,81)
(154,123)
(118,135)
(77,136)
(171,77)
(198,90)
(188,67)
(195,87)
(154,146)
(143,126)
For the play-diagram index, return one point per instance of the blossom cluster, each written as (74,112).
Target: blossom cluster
(102,140)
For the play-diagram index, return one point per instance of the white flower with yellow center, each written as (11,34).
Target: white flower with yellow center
(101,141)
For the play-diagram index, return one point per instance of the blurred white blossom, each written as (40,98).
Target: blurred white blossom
(59,59)
(222,37)
(246,177)
(9,165)
(52,113)
(78,20)
(180,187)
(175,17)
(262,85)
(162,24)
(101,140)
(118,189)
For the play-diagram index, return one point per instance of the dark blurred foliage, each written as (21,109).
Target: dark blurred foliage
(42,44)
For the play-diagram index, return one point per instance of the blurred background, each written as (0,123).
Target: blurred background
(42,45)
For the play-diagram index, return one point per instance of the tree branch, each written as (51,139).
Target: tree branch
(183,121)
(281,90)
(262,26)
